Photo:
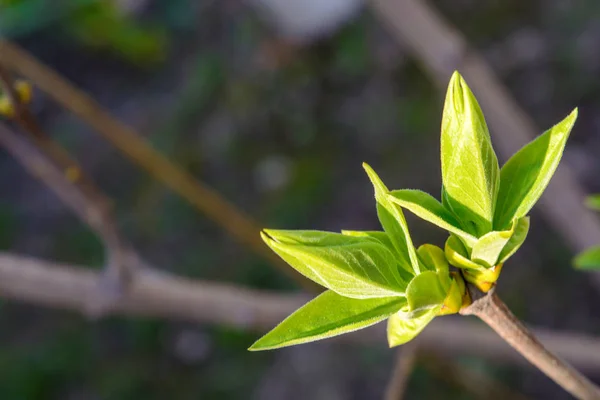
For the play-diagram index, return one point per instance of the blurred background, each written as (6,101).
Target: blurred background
(275,104)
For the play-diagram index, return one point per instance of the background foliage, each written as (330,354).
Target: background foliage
(285,145)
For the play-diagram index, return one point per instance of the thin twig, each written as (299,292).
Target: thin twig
(160,295)
(492,310)
(403,368)
(224,213)
(469,379)
(87,205)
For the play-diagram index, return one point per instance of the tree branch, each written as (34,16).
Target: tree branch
(236,223)
(160,295)
(491,310)
(52,165)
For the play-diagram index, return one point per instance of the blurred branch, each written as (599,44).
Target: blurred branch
(467,378)
(403,368)
(128,141)
(50,163)
(442,49)
(159,295)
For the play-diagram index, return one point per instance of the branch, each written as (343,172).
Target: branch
(491,310)
(442,49)
(52,165)
(225,214)
(160,295)
(403,368)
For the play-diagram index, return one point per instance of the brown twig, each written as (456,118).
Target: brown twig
(406,357)
(128,141)
(492,310)
(160,295)
(88,205)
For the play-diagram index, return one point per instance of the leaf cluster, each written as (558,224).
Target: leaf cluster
(373,276)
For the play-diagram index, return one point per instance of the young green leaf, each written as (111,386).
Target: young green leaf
(516,240)
(433,258)
(357,267)
(393,223)
(485,278)
(425,206)
(328,315)
(470,173)
(589,259)
(455,299)
(401,330)
(383,238)
(527,173)
(424,292)
(488,248)
(593,202)
(457,254)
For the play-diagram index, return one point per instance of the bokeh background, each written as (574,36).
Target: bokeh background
(276,110)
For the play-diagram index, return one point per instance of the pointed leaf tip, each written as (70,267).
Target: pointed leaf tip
(353,266)
(328,315)
(470,172)
(394,224)
(526,174)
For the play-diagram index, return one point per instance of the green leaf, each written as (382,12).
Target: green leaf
(488,248)
(433,257)
(525,176)
(589,259)
(401,330)
(593,202)
(425,206)
(384,239)
(516,240)
(357,267)
(457,255)
(455,299)
(470,173)
(425,292)
(328,315)
(381,237)
(393,222)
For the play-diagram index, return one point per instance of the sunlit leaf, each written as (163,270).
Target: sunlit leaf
(470,172)
(589,259)
(425,206)
(516,240)
(424,292)
(393,222)
(488,248)
(485,278)
(457,255)
(433,257)
(326,316)
(455,298)
(401,330)
(383,238)
(357,267)
(527,173)
(377,235)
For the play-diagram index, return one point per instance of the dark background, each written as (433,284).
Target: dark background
(283,138)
